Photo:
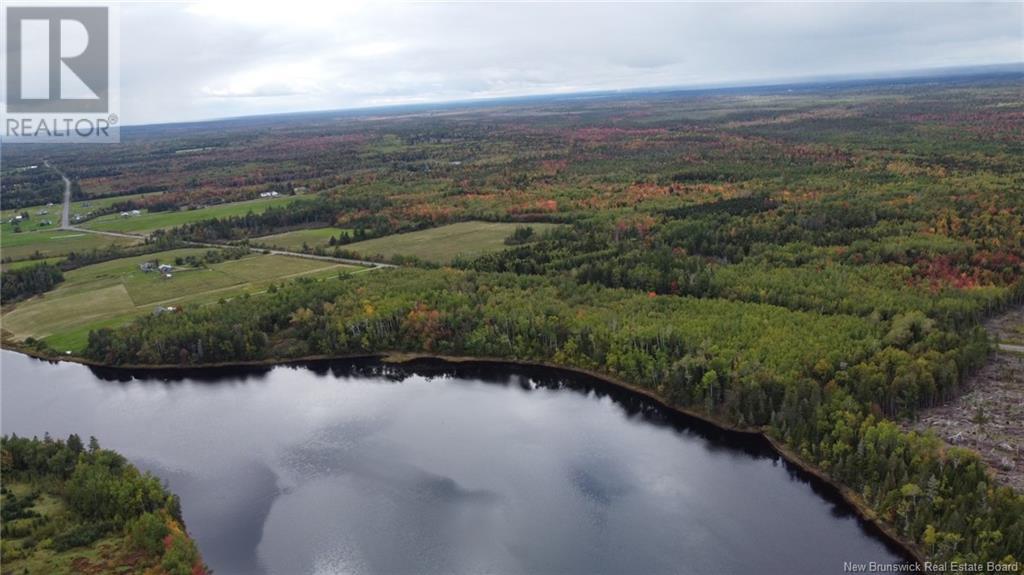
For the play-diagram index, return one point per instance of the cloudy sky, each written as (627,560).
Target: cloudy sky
(217,58)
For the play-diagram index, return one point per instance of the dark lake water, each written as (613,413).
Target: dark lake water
(353,467)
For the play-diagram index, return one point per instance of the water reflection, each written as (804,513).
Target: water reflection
(362,467)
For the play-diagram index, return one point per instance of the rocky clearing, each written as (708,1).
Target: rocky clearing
(989,416)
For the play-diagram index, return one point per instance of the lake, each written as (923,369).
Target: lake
(359,467)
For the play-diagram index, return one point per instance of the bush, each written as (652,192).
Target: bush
(181,556)
(147,532)
(80,535)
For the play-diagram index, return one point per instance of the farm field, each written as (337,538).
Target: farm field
(84,207)
(33,211)
(37,215)
(444,244)
(111,293)
(28,263)
(294,240)
(50,242)
(150,221)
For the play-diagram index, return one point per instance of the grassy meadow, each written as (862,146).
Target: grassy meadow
(84,207)
(442,245)
(294,240)
(50,241)
(150,221)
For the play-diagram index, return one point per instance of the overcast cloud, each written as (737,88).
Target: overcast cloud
(228,58)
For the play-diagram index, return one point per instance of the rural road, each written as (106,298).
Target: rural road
(65,224)
(1011,347)
(365,263)
(65,215)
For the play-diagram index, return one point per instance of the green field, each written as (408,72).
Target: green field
(293,241)
(28,263)
(150,221)
(50,241)
(110,293)
(84,207)
(53,212)
(443,244)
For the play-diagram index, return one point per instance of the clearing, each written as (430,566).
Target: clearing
(294,240)
(443,244)
(83,208)
(989,416)
(149,221)
(49,241)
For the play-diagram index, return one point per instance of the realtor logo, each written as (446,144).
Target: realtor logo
(60,79)
(58,59)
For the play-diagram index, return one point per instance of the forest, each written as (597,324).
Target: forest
(813,263)
(31,185)
(25,282)
(63,498)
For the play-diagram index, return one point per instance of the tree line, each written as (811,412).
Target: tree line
(103,495)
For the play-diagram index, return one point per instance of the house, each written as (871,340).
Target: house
(136,212)
(158,310)
(165,268)
(270,194)
(146,266)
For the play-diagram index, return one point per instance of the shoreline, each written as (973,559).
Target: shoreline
(848,495)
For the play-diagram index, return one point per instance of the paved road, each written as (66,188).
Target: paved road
(65,215)
(65,224)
